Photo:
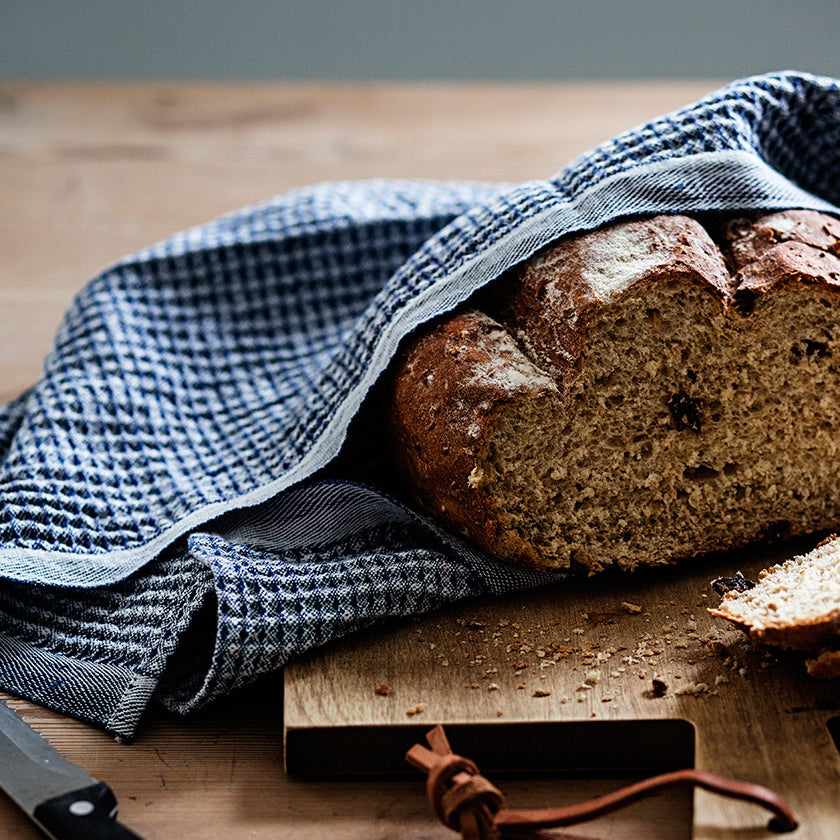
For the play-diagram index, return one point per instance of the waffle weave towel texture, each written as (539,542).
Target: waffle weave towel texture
(194,492)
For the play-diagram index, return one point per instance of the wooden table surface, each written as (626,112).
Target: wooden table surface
(89,173)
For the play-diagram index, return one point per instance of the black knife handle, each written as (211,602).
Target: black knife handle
(85,814)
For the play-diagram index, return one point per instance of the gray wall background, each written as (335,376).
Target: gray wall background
(401,39)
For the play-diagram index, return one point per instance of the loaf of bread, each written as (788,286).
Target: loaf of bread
(794,605)
(646,392)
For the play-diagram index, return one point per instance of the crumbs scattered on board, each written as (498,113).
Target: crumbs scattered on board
(676,655)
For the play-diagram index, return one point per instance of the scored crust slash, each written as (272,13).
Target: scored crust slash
(650,391)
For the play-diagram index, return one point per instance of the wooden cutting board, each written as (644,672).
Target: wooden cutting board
(558,682)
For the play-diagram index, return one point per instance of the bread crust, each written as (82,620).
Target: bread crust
(747,240)
(807,636)
(450,384)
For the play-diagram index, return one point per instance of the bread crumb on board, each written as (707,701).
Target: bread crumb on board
(591,656)
(383,690)
(659,687)
(416,710)
(692,689)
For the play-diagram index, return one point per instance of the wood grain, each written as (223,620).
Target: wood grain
(90,172)
(589,651)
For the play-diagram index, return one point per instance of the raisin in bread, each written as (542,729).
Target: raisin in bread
(642,393)
(794,605)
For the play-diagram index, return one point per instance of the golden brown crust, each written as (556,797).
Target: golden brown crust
(747,240)
(450,383)
(806,636)
(794,246)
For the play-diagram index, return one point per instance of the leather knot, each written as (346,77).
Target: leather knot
(455,783)
(461,798)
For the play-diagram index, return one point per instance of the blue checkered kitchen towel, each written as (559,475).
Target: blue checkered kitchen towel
(194,491)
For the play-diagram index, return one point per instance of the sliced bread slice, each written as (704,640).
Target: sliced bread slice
(794,605)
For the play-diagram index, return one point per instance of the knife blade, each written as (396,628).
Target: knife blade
(60,798)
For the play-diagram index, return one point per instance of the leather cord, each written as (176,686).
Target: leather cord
(465,801)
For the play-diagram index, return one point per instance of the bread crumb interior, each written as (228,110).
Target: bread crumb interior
(691,425)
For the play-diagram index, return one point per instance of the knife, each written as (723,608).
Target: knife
(60,798)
